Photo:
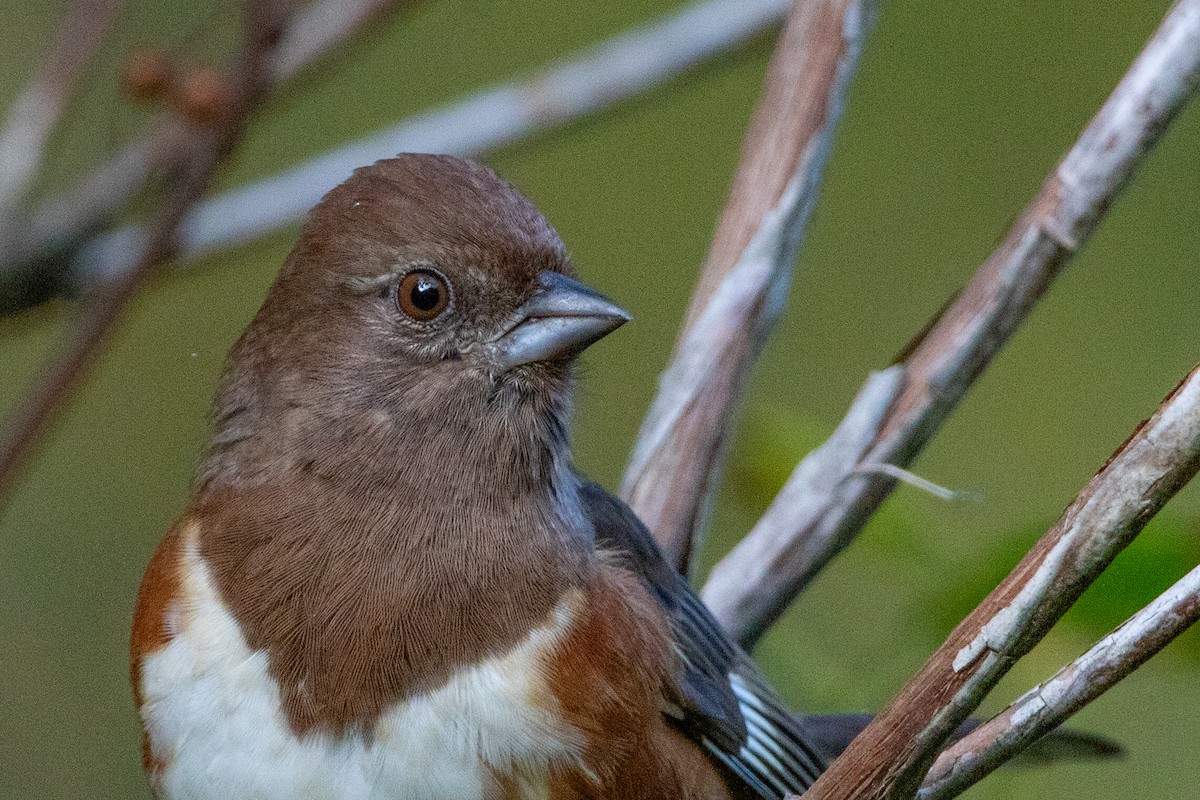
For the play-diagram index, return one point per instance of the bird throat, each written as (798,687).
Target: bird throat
(366,585)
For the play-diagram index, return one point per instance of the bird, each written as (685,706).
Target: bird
(391,581)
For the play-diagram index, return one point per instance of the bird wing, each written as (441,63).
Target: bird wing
(723,701)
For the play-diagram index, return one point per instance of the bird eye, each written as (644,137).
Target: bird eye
(423,295)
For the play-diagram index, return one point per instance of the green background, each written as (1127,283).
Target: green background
(959,111)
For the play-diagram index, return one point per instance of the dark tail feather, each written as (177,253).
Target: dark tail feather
(834,732)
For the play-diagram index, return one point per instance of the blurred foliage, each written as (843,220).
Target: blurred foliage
(958,113)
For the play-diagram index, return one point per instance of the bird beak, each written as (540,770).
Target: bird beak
(558,322)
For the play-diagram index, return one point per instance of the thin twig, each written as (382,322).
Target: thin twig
(38,108)
(744,284)
(34,269)
(618,68)
(914,480)
(1045,707)
(963,341)
(192,168)
(891,757)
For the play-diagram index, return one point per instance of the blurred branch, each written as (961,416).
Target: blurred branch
(191,167)
(744,283)
(323,27)
(748,590)
(1042,709)
(39,107)
(618,68)
(890,758)
(34,269)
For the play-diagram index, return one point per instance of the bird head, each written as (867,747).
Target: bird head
(423,292)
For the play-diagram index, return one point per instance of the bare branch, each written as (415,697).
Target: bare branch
(62,219)
(771,553)
(60,222)
(744,284)
(618,68)
(890,758)
(1045,707)
(963,341)
(192,167)
(38,108)
(323,27)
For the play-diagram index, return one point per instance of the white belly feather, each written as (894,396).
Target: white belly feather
(215,722)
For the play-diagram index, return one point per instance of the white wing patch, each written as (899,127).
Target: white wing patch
(215,721)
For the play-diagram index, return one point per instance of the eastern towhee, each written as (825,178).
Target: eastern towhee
(392,583)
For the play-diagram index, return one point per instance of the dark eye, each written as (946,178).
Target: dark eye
(423,295)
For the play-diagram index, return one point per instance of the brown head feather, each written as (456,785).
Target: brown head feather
(379,503)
